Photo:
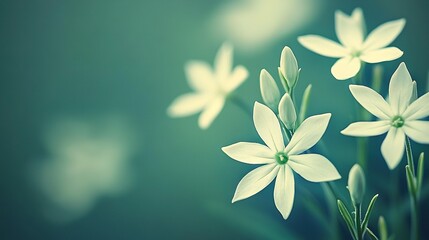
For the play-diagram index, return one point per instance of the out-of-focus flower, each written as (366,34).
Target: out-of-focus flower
(399,116)
(354,47)
(211,87)
(87,161)
(279,161)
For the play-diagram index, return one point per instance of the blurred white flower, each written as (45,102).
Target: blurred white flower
(211,87)
(256,24)
(399,116)
(87,161)
(354,47)
(279,161)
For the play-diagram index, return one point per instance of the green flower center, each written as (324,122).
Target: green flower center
(281,158)
(356,53)
(397,122)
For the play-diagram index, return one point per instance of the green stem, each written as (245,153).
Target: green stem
(362,142)
(358,222)
(413,197)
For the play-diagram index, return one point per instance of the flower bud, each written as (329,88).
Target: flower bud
(414,94)
(289,66)
(287,111)
(356,184)
(269,90)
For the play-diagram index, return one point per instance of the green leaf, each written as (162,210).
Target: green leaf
(420,172)
(368,213)
(347,218)
(304,104)
(382,228)
(371,234)
(411,181)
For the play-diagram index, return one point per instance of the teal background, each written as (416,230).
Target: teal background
(91,59)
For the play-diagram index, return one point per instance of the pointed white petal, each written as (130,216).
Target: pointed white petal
(289,66)
(223,61)
(400,89)
(200,76)
(268,127)
(384,34)
(287,112)
(393,146)
(345,68)
(322,46)
(381,55)
(349,30)
(284,191)
(418,109)
(252,153)
(237,77)
(371,101)
(269,90)
(210,112)
(255,181)
(366,129)
(308,134)
(187,104)
(418,131)
(313,167)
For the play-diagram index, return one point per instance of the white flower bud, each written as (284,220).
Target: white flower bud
(269,90)
(289,66)
(356,184)
(287,111)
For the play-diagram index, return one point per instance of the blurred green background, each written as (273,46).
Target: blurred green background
(87,149)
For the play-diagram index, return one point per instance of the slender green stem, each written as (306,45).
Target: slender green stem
(362,142)
(358,221)
(241,104)
(413,197)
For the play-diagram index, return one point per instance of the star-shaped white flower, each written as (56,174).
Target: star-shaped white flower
(280,160)
(400,116)
(354,48)
(211,87)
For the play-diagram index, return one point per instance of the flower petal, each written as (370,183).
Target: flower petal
(393,146)
(418,109)
(237,77)
(255,181)
(313,167)
(269,90)
(371,101)
(252,153)
(308,134)
(418,131)
(200,76)
(210,112)
(322,46)
(284,191)
(349,29)
(268,127)
(366,129)
(345,68)
(400,89)
(223,61)
(187,104)
(384,34)
(381,55)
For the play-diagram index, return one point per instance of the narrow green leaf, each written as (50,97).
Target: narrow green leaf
(410,181)
(368,213)
(347,218)
(382,228)
(371,234)
(420,172)
(304,104)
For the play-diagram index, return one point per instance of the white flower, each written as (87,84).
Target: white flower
(280,160)
(399,116)
(354,48)
(211,87)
